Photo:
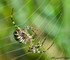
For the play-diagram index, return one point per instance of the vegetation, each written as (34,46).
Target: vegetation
(50,17)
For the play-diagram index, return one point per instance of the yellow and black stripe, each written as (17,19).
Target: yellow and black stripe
(16,36)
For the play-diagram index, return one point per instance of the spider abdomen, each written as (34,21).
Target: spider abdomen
(21,36)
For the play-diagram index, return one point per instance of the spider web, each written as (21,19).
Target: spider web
(23,55)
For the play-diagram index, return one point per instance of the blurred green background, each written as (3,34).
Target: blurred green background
(50,17)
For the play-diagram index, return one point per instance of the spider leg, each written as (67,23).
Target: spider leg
(32,29)
(36,48)
(13,19)
(43,41)
(39,45)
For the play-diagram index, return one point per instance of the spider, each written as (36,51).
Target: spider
(22,36)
